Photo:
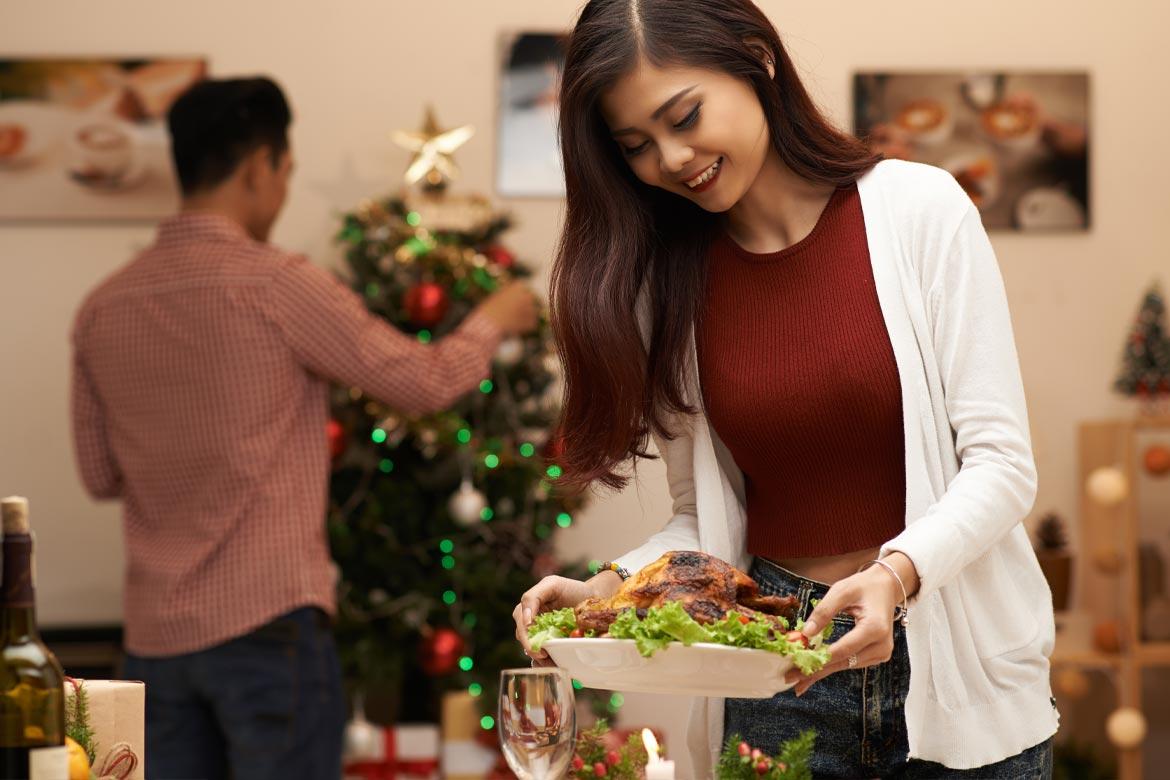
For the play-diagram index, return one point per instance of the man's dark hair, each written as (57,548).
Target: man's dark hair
(216,123)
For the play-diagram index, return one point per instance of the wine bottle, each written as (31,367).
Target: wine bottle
(32,694)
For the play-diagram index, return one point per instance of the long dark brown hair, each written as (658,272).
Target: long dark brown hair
(621,234)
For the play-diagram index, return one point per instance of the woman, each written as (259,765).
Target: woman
(820,345)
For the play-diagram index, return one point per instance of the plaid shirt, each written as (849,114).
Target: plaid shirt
(200,398)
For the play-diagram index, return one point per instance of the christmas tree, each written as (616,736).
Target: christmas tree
(1145,368)
(439,523)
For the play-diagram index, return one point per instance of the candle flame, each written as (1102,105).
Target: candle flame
(651,746)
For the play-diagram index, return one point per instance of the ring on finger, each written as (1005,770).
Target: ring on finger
(853,661)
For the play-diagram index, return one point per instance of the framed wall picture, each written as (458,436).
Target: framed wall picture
(528,160)
(1017,141)
(87,139)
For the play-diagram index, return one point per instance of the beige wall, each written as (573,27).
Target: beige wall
(355,70)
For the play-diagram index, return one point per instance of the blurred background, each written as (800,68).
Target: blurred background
(357,70)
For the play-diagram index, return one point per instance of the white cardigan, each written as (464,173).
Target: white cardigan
(981,626)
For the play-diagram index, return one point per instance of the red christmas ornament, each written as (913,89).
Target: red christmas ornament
(439,651)
(1157,460)
(426,303)
(335,435)
(500,256)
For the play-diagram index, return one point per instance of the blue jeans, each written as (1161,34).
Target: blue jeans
(859,715)
(268,704)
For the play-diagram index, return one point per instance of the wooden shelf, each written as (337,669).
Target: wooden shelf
(1153,653)
(1114,594)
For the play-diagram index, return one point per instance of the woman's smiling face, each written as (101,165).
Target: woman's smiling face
(700,134)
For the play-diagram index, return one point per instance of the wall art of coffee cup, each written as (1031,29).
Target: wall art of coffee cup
(1012,125)
(927,121)
(102,154)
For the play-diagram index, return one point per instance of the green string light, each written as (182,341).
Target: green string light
(446,546)
(448,562)
(448,597)
(491,460)
(414,219)
(378,435)
(486,386)
(424,337)
(465,663)
(386,466)
(527,450)
(475,689)
(417,246)
(616,701)
(470,620)
(564,520)
(553,471)
(577,684)
(486,514)
(487,722)
(463,435)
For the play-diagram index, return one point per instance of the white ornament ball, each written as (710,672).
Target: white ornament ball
(466,504)
(510,352)
(1073,683)
(1126,727)
(1107,486)
(363,740)
(535,436)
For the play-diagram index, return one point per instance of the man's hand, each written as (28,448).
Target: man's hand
(512,308)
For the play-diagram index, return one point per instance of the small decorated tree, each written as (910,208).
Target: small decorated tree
(1145,367)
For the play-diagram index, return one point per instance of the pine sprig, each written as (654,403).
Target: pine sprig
(77,725)
(740,761)
(627,763)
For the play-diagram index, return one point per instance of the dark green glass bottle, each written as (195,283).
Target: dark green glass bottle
(32,694)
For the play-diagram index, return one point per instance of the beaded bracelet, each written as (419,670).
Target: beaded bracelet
(901,612)
(620,571)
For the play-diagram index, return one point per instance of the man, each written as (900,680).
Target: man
(200,399)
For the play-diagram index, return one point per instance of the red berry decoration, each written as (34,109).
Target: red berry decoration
(599,770)
(612,758)
(762,768)
(745,749)
(500,256)
(757,753)
(335,435)
(426,303)
(439,651)
(1157,460)
(578,763)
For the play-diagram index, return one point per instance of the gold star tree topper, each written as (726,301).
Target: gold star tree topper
(433,147)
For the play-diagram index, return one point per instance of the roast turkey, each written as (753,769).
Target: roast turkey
(706,587)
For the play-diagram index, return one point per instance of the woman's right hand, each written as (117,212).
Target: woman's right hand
(557,593)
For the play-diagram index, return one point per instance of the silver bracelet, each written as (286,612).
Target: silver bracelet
(901,611)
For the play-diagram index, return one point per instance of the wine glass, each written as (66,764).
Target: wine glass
(538,722)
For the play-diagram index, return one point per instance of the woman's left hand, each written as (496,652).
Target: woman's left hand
(869,597)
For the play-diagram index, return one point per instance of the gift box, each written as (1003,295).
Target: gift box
(465,757)
(117,720)
(408,751)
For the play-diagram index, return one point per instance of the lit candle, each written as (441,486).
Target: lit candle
(656,767)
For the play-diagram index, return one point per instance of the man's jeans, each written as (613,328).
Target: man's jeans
(265,705)
(859,715)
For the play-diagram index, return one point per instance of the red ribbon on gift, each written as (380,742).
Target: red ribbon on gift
(393,768)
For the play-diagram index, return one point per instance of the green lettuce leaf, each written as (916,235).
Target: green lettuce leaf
(551,625)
